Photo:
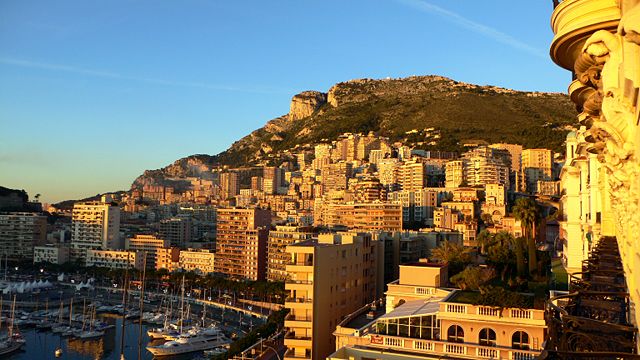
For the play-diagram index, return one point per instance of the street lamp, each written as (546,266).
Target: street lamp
(268,348)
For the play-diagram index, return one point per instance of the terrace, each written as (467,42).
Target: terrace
(593,319)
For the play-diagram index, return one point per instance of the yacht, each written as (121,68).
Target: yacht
(11,345)
(205,339)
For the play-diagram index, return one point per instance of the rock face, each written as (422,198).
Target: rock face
(305,103)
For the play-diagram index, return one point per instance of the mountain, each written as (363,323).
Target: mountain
(409,109)
(393,107)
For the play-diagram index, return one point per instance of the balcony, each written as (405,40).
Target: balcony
(293,341)
(298,321)
(446,349)
(290,354)
(592,321)
(573,21)
(298,303)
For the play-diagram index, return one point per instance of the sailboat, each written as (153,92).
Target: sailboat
(45,324)
(14,340)
(91,333)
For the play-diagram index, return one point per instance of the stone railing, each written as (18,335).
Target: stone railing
(444,348)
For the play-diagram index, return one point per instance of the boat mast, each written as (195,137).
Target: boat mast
(13,317)
(144,272)
(182,304)
(124,311)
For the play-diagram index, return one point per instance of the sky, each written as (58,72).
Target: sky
(92,93)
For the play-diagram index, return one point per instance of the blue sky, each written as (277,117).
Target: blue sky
(92,93)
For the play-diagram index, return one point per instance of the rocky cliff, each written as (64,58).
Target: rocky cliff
(399,109)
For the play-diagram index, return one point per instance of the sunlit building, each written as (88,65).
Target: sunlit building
(241,243)
(329,278)
(20,232)
(95,225)
(279,239)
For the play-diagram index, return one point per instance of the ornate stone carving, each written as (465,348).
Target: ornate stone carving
(610,66)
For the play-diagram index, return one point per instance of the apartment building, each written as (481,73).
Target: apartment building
(375,216)
(51,253)
(329,278)
(114,259)
(177,230)
(279,239)
(20,232)
(201,261)
(229,185)
(241,244)
(537,165)
(149,245)
(167,258)
(95,225)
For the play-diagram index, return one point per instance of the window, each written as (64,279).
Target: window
(455,334)
(487,337)
(520,340)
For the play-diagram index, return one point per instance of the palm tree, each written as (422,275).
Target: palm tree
(484,240)
(456,255)
(526,210)
(518,244)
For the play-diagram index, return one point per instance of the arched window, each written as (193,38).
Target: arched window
(455,334)
(487,337)
(520,340)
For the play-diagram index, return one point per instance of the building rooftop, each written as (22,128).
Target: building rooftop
(425,264)
(363,317)
(526,301)
(414,308)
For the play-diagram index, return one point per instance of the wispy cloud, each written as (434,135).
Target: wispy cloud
(473,26)
(114,75)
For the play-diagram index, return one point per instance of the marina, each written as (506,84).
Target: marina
(87,323)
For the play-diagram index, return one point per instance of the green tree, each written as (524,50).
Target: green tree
(473,277)
(526,210)
(456,255)
(500,253)
(518,245)
(484,239)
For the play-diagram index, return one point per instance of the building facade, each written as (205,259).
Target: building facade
(20,232)
(279,239)
(241,244)
(329,278)
(94,225)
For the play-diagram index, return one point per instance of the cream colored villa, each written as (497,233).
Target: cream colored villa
(425,320)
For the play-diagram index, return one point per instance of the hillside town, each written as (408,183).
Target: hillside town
(360,225)
(401,236)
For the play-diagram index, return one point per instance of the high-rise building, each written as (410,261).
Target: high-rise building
(388,173)
(229,185)
(95,225)
(150,245)
(484,165)
(412,176)
(241,243)
(537,165)
(336,176)
(177,230)
(279,239)
(417,206)
(454,174)
(20,232)
(383,216)
(367,189)
(329,278)
(272,179)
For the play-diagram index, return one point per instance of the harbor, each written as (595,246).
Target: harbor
(82,321)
